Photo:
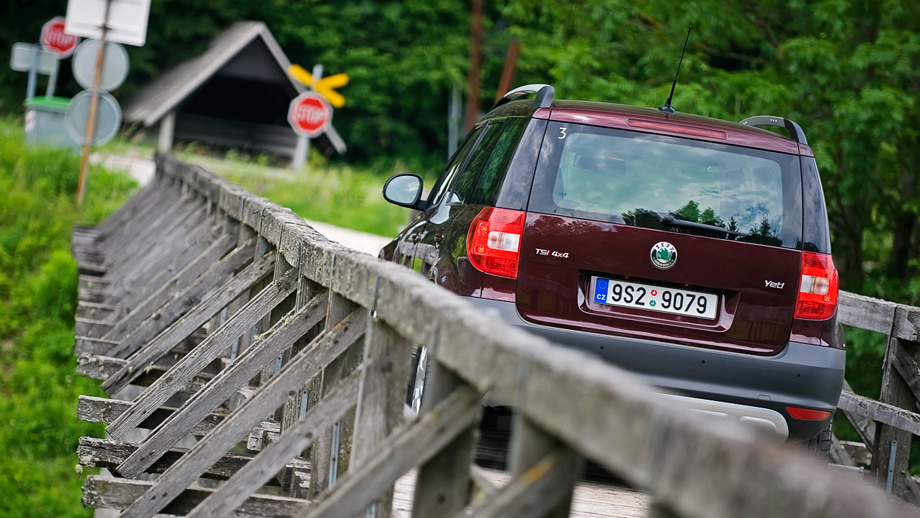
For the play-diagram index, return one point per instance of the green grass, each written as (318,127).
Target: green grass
(39,386)
(341,195)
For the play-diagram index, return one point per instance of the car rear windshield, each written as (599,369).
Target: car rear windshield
(668,183)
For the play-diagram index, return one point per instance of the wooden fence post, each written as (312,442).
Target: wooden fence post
(892,445)
(381,396)
(442,487)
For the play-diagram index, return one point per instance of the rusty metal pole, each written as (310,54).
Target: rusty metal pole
(504,84)
(472,101)
(93,105)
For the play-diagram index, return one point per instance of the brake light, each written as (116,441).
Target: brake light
(807,414)
(494,241)
(818,288)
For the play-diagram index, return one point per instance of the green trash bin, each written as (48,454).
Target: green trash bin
(44,122)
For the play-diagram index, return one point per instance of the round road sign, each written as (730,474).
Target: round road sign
(54,39)
(114,65)
(108,117)
(310,114)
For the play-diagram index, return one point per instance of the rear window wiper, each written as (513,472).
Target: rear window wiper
(670,220)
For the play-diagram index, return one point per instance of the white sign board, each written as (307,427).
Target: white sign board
(127,20)
(27,55)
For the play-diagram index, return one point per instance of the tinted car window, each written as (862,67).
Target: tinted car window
(675,184)
(493,172)
(465,181)
(453,166)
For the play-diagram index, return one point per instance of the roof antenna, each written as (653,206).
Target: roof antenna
(667,105)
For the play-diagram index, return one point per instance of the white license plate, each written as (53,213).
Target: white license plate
(655,298)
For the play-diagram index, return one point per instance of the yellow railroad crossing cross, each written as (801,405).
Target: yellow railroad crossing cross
(322,86)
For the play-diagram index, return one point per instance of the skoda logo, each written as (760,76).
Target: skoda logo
(664,255)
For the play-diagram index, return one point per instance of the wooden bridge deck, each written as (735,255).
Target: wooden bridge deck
(590,500)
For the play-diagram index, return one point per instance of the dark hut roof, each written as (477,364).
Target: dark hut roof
(168,91)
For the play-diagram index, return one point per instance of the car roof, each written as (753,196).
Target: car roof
(651,120)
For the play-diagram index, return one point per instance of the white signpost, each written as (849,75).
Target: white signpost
(122,21)
(125,21)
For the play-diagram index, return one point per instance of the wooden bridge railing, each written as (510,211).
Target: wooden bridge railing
(885,426)
(212,313)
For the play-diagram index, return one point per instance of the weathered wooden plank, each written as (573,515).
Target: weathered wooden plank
(382,395)
(161,244)
(547,484)
(185,326)
(443,487)
(222,387)
(907,323)
(533,454)
(139,310)
(128,210)
(126,250)
(92,310)
(864,426)
(164,265)
(91,328)
(880,412)
(398,453)
(98,367)
(292,441)
(191,364)
(183,270)
(865,312)
(101,367)
(303,367)
(93,346)
(106,453)
(891,457)
(102,410)
(106,235)
(110,493)
(193,303)
(906,359)
(324,452)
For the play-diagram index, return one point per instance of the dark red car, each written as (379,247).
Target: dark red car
(692,251)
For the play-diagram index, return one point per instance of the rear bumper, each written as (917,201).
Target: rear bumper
(802,375)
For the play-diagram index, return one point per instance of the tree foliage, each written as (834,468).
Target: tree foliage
(845,70)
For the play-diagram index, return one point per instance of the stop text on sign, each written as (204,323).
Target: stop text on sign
(309,114)
(53,38)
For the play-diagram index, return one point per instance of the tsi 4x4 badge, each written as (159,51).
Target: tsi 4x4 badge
(565,218)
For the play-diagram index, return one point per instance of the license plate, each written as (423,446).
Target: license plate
(655,298)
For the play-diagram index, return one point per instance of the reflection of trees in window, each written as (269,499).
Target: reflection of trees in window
(766,229)
(642,218)
(691,212)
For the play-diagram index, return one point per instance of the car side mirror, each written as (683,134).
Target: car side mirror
(404,190)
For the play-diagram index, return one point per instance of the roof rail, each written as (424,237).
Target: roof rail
(795,131)
(544,98)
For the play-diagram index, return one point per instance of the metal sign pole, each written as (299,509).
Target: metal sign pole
(52,79)
(33,74)
(93,105)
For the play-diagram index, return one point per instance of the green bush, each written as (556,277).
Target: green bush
(39,386)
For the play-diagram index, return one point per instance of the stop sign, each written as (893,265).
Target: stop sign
(310,114)
(54,40)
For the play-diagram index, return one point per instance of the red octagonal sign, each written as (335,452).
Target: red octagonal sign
(54,39)
(310,114)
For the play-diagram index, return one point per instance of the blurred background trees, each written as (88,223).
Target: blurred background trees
(847,71)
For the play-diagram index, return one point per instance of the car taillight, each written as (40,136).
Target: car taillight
(807,414)
(818,288)
(494,241)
